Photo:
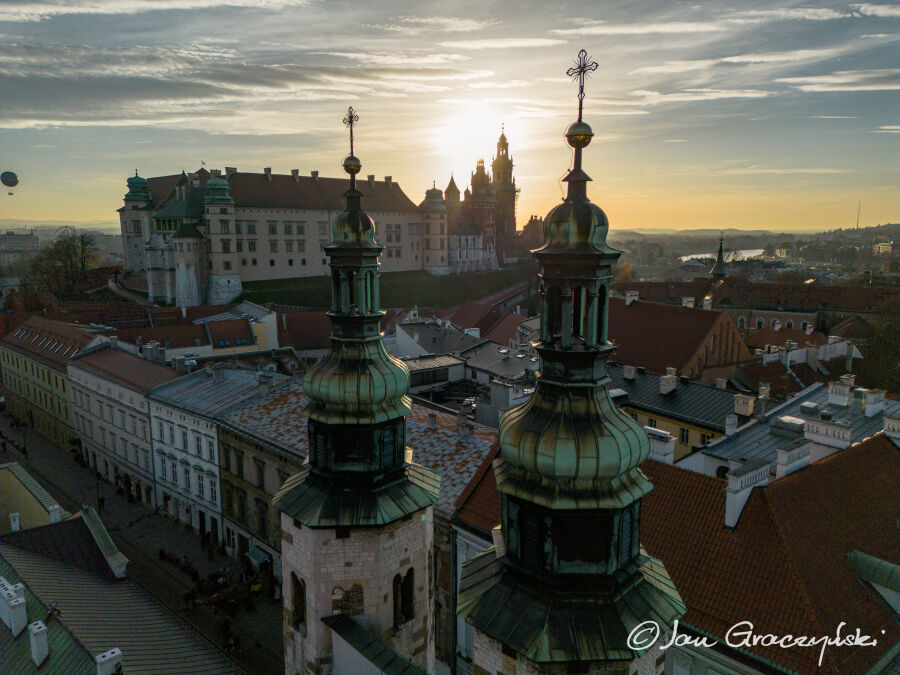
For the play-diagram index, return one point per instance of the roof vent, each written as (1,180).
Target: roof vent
(295,174)
(111,662)
(721,383)
(230,170)
(268,172)
(314,174)
(630,296)
(628,372)
(687,301)
(371,178)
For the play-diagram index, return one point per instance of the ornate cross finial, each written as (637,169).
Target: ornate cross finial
(581,70)
(348,122)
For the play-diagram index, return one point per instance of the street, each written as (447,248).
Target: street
(140,534)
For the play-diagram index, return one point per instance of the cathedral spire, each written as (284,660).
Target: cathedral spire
(720,269)
(568,470)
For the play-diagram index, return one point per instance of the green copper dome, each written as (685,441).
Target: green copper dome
(138,190)
(217,192)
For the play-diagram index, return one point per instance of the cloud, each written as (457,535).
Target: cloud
(397,58)
(788,14)
(679,27)
(411,25)
(832,117)
(887,79)
(508,84)
(502,43)
(757,171)
(675,140)
(42,11)
(785,57)
(878,10)
(888,129)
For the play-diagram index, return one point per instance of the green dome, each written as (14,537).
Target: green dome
(217,192)
(138,190)
(353,227)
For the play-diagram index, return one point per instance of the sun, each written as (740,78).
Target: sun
(464,136)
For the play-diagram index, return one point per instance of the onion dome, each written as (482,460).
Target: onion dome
(217,192)
(138,190)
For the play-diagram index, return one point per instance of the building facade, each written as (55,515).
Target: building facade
(111,415)
(35,379)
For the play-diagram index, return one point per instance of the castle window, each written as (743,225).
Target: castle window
(298,601)
(226,265)
(404,603)
(251,227)
(273,247)
(288,247)
(759,324)
(742,323)
(226,246)
(239,246)
(251,246)
(288,227)
(789,324)
(273,226)
(223,224)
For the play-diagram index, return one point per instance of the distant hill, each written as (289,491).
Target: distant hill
(21,223)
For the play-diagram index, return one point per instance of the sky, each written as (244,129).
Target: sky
(745,114)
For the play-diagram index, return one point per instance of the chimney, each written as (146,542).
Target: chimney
(630,296)
(432,419)
(707,302)
(463,429)
(892,427)
(839,393)
(215,172)
(662,445)
(743,405)
(295,174)
(371,178)
(812,356)
(179,364)
(268,172)
(18,614)
(230,170)
(499,541)
(14,522)
(790,459)
(184,312)
(668,382)
(721,383)
(742,478)
(265,383)
(314,174)
(777,325)
(868,401)
(37,632)
(731,424)
(829,432)
(687,301)
(218,371)
(111,662)
(628,372)
(55,513)
(387,181)
(848,379)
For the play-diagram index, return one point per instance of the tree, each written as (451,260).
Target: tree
(623,273)
(65,263)
(881,358)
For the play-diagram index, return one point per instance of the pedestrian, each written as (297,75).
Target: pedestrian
(101,502)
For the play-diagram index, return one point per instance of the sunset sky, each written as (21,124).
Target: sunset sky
(741,114)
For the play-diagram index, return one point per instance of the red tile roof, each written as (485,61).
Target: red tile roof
(503,329)
(126,368)
(785,566)
(781,382)
(175,336)
(52,342)
(657,336)
(304,330)
(228,333)
(284,192)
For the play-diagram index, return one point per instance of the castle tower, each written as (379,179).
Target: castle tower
(358,522)
(720,269)
(224,279)
(503,186)
(435,232)
(567,583)
(135,224)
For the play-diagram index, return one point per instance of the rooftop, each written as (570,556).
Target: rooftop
(438,337)
(125,368)
(761,438)
(52,342)
(796,534)
(204,393)
(499,360)
(430,361)
(690,401)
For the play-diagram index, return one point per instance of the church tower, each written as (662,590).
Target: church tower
(566,582)
(503,186)
(720,269)
(357,523)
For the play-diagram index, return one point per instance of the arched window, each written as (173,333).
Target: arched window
(742,322)
(759,324)
(579,296)
(789,324)
(773,322)
(804,325)
(404,594)
(298,601)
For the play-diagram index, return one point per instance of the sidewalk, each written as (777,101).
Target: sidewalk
(140,534)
